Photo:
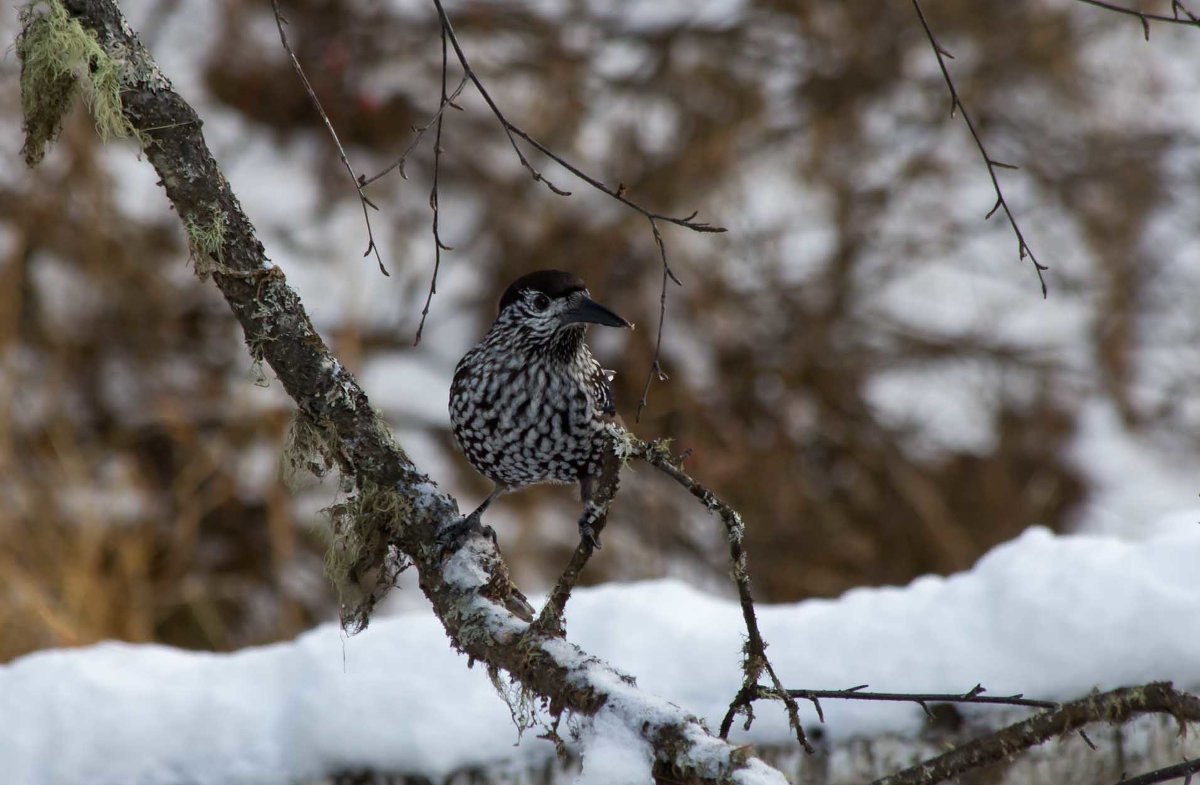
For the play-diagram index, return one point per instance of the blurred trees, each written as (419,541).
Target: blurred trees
(861,365)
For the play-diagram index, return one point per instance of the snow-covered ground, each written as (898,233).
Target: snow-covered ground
(1049,616)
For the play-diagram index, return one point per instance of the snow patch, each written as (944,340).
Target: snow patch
(614,755)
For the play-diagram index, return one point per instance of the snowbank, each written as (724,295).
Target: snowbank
(1045,615)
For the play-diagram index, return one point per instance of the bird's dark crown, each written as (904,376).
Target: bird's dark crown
(553,283)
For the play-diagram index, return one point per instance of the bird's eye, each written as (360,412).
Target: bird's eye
(541,302)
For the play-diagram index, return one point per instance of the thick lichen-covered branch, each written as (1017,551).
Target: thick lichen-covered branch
(468,584)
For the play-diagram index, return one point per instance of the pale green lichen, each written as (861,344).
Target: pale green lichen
(60,60)
(735,528)
(625,445)
(206,242)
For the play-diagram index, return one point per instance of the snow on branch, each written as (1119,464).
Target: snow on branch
(468,585)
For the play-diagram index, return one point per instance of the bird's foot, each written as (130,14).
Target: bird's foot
(589,535)
(453,534)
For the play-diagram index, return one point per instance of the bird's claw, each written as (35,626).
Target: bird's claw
(453,534)
(588,535)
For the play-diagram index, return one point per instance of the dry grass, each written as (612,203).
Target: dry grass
(125,509)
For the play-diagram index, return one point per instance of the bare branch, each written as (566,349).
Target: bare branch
(419,132)
(280,22)
(974,695)
(438,245)
(956,105)
(656,370)
(604,491)
(756,663)
(1185,769)
(513,130)
(1177,8)
(1116,706)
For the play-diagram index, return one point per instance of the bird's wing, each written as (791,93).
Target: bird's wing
(603,383)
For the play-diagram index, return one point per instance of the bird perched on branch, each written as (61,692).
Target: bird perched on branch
(529,404)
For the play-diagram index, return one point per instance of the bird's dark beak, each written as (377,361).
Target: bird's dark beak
(592,312)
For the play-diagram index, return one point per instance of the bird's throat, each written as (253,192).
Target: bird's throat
(567,343)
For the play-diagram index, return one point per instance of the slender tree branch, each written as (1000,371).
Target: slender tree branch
(280,22)
(656,371)
(438,245)
(1177,8)
(1185,769)
(956,105)
(550,619)
(419,133)
(604,491)
(626,446)
(514,132)
(467,583)
(974,695)
(755,663)
(1116,706)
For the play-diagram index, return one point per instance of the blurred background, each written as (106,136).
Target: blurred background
(861,365)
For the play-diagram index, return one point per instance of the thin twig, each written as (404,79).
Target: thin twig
(1185,769)
(956,105)
(756,662)
(514,132)
(419,132)
(1177,6)
(974,695)
(438,245)
(509,128)
(656,370)
(316,102)
(1147,18)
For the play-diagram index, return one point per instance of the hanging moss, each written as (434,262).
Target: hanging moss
(60,60)
(359,562)
(522,702)
(306,450)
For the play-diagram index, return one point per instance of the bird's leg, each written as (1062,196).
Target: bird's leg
(591,511)
(496,491)
(472,522)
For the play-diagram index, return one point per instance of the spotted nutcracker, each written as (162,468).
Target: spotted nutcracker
(529,404)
